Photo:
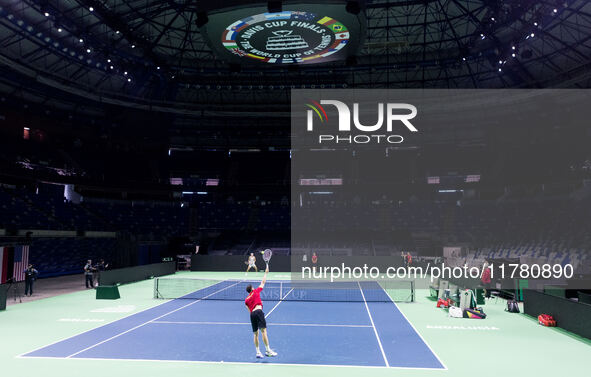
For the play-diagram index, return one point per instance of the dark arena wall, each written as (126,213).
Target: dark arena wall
(279,263)
(570,315)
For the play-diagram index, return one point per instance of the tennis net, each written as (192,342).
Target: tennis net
(350,291)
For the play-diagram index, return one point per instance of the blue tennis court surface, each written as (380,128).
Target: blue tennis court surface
(353,333)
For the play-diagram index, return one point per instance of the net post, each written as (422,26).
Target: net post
(156,288)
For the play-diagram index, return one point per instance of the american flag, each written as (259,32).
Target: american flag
(21,262)
(3,264)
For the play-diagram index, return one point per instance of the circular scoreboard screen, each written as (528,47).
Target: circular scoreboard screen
(306,35)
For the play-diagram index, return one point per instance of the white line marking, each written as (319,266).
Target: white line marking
(276,305)
(459,328)
(265,365)
(415,329)
(247,323)
(145,323)
(94,328)
(374,327)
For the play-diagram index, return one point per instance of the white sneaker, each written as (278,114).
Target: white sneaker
(259,355)
(270,353)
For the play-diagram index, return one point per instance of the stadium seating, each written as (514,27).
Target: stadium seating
(556,229)
(68,255)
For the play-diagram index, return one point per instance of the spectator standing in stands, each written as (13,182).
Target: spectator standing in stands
(88,271)
(30,276)
(485,279)
(314,261)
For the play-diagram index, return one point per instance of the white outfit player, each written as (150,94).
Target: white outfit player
(251,263)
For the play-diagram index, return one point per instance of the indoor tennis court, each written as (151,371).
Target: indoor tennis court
(304,328)
(140,334)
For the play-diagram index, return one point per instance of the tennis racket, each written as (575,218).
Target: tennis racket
(267,254)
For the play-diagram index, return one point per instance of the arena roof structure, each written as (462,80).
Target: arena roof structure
(148,54)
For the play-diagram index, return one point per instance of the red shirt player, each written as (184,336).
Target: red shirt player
(408,259)
(485,279)
(254,304)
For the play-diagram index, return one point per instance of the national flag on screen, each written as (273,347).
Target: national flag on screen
(3,264)
(278,16)
(21,261)
(342,35)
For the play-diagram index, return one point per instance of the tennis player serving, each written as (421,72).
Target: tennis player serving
(254,305)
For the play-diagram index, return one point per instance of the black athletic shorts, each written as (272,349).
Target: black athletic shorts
(257,319)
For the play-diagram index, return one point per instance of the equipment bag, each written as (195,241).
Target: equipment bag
(477,313)
(512,306)
(546,320)
(441,303)
(455,312)
(467,300)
